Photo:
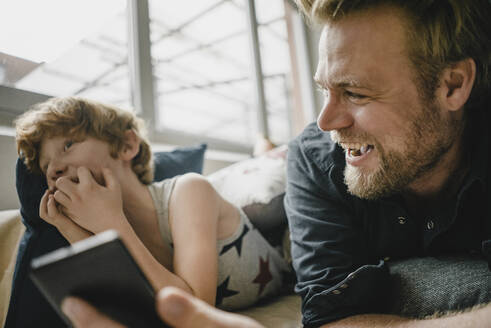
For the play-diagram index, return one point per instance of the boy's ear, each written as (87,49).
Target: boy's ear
(456,84)
(131,145)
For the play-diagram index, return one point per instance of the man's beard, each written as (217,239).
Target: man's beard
(430,137)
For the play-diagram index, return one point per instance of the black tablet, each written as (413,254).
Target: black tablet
(100,270)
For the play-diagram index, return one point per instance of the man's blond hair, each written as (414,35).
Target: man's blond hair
(440,33)
(80,118)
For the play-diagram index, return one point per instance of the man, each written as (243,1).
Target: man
(397,165)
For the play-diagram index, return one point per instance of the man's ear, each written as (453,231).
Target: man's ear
(131,145)
(456,84)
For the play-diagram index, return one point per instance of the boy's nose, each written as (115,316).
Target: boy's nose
(55,171)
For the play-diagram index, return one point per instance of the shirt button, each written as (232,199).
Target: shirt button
(336,292)
(343,286)
(386,258)
(351,276)
(430,225)
(402,220)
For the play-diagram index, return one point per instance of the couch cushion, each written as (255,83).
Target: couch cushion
(422,286)
(280,311)
(257,185)
(179,161)
(40,237)
(11,230)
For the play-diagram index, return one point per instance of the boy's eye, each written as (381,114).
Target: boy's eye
(68,144)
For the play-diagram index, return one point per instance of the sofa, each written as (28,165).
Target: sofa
(419,287)
(261,200)
(282,311)
(11,230)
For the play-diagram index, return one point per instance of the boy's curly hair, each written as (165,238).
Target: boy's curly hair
(80,118)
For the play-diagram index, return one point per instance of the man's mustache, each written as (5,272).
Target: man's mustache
(346,136)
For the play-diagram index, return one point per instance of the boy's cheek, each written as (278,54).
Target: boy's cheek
(96,173)
(99,178)
(51,186)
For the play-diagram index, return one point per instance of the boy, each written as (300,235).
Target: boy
(97,164)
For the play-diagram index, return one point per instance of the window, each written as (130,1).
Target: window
(199,84)
(202,61)
(276,63)
(62,48)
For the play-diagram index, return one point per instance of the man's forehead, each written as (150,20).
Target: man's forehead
(383,27)
(341,80)
(336,75)
(356,51)
(336,56)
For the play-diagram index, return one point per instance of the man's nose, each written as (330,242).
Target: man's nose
(334,115)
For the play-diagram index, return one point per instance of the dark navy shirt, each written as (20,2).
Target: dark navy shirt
(340,243)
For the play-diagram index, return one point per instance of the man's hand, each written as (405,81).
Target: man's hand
(49,212)
(174,306)
(93,206)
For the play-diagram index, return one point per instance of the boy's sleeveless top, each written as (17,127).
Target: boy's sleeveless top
(249,268)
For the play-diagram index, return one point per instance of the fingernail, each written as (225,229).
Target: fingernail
(70,307)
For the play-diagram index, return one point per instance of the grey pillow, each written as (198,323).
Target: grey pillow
(426,285)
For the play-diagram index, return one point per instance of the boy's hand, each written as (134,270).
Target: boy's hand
(91,205)
(49,212)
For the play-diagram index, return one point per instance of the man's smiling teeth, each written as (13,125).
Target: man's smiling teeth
(356,149)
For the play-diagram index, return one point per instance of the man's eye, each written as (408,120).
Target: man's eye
(355,96)
(68,144)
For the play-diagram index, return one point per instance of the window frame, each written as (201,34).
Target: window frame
(16,101)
